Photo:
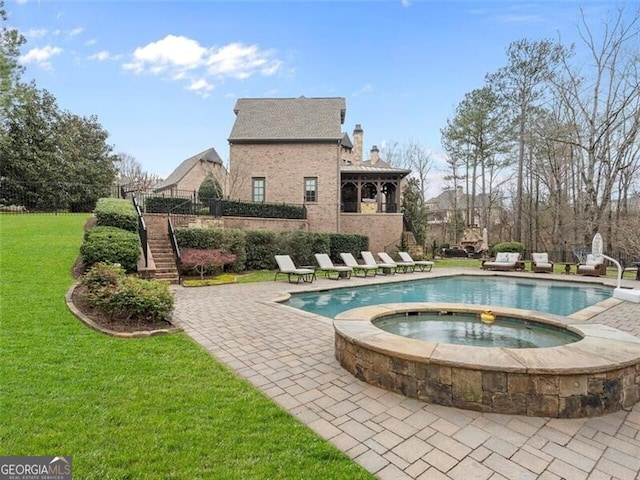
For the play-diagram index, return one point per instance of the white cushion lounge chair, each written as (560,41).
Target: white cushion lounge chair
(288,268)
(387,268)
(540,263)
(421,264)
(594,266)
(328,268)
(404,267)
(505,261)
(350,261)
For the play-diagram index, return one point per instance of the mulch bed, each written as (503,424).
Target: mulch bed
(103,320)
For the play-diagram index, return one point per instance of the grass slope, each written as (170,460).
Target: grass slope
(150,408)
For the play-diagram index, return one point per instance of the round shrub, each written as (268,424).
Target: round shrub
(116,212)
(508,247)
(112,245)
(101,281)
(136,298)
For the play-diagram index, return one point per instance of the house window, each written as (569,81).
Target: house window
(311,189)
(258,190)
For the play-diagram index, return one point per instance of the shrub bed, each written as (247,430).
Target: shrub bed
(116,212)
(125,297)
(255,249)
(111,244)
(229,239)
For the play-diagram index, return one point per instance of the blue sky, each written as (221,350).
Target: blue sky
(162,76)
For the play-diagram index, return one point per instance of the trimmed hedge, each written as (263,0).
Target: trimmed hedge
(116,212)
(346,243)
(111,244)
(508,247)
(234,208)
(169,204)
(262,246)
(256,249)
(229,239)
(301,246)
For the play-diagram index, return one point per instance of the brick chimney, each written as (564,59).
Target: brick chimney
(357,144)
(375,155)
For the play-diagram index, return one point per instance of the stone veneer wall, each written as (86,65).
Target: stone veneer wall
(383,229)
(548,395)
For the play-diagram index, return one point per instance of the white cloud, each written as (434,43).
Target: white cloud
(35,33)
(41,56)
(405,3)
(201,87)
(171,52)
(90,42)
(181,58)
(21,2)
(103,55)
(74,32)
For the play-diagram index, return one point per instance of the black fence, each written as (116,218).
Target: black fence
(188,203)
(55,197)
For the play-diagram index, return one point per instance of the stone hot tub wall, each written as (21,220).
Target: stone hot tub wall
(597,375)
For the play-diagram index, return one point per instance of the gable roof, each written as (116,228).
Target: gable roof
(287,119)
(445,200)
(210,156)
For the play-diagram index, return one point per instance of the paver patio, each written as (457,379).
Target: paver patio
(289,355)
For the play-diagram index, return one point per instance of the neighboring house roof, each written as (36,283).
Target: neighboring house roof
(445,201)
(287,119)
(210,156)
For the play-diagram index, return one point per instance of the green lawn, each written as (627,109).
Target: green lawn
(155,408)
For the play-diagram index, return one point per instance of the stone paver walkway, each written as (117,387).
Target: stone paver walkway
(289,355)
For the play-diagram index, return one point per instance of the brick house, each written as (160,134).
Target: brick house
(188,176)
(293,150)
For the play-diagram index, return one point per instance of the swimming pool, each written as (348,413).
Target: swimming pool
(556,297)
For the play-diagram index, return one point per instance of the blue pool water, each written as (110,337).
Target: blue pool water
(557,297)
(465,329)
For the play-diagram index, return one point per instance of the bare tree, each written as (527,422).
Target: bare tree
(601,100)
(131,175)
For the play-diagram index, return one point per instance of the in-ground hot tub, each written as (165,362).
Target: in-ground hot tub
(596,371)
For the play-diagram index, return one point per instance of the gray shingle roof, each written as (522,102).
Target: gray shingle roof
(366,167)
(288,119)
(210,155)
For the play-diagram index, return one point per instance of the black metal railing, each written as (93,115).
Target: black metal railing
(142,232)
(174,245)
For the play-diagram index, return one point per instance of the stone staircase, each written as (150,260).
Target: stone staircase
(160,247)
(416,251)
(162,254)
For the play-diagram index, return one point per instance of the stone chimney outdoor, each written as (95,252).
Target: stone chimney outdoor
(357,144)
(375,155)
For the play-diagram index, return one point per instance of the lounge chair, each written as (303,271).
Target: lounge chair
(504,261)
(288,268)
(350,261)
(593,266)
(405,267)
(328,268)
(387,268)
(421,264)
(540,263)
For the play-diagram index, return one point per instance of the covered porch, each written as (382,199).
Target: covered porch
(370,193)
